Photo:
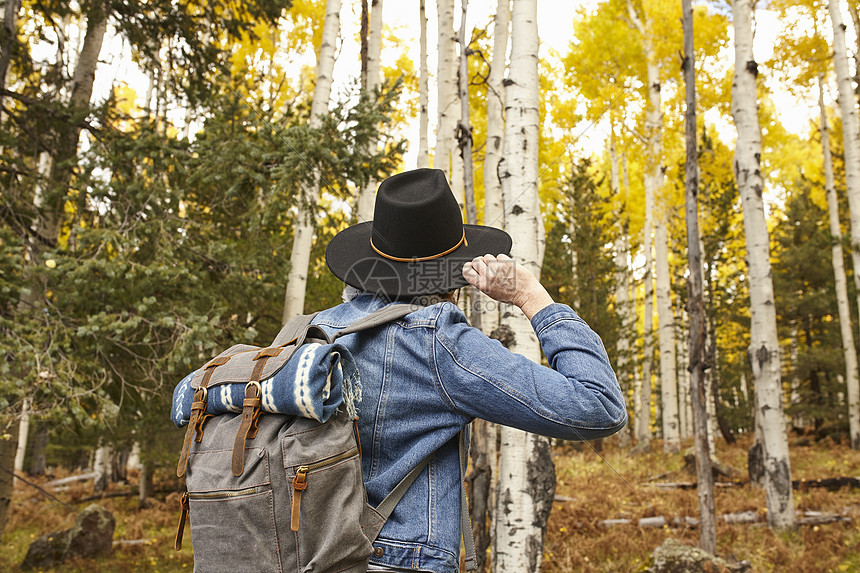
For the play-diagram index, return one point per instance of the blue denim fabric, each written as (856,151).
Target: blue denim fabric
(426,376)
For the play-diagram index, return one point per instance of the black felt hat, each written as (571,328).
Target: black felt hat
(416,244)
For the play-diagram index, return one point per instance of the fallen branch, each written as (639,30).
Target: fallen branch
(72,479)
(692,484)
(830,484)
(742,518)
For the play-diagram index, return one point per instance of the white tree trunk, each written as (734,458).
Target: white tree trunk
(668,376)
(133,461)
(654,186)
(851,140)
(297,279)
(523,501)
(574,257)
(446,88)
(622,282)
(423,91)
(653,181)
(102,468)
(374,52)
(493,209)
(764,343)
(23,434)
(643,418)
(848,348)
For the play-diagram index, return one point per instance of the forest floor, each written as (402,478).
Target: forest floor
(591,488)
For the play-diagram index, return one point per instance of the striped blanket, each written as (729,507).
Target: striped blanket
(314,383)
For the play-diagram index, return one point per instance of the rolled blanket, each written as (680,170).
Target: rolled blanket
(313,383)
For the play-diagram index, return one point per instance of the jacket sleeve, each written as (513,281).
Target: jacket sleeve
(577,398)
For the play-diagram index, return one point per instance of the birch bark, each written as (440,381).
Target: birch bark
(464,141)
(446,89)
(654,187)
(643,418)
(848,348)
(423,90)
(851,139)
(67,145)
(526,472)
(485,487)
(303,228)
(371,83)
(23,434)
(622,281)
(652,180)
(493,210)
(764,344)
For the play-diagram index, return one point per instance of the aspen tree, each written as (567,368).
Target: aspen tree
(526,472)
(303,228)
(654,181)
(371,84)
(848,349)
(851,139)
(622,277)
(704,473)
(485,434)
(423,90)
(764,344)
(446,90)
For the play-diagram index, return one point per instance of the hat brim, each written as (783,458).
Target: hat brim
(351,259)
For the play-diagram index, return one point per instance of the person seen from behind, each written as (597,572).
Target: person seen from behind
(426,376)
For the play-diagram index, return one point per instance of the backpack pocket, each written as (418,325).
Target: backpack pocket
(328,501)
(231,515)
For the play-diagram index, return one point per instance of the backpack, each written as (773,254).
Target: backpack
(275,488)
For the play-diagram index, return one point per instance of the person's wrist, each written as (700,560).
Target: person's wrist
(534,301)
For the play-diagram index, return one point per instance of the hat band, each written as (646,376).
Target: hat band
(419,259)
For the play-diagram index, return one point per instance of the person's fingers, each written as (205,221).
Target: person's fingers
(470,274)
(479,265)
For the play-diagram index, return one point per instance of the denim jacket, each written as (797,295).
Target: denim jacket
(426,376)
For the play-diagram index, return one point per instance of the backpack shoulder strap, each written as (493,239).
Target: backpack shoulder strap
(378,318)
(293,328)
(392,499)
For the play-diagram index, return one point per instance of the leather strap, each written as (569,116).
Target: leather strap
(198,414)
(183,515)
(250,413)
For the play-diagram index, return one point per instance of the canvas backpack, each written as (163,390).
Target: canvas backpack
(280,492)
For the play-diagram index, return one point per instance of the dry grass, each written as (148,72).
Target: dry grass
(615,488)
(598,489)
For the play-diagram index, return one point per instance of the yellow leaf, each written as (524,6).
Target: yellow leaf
(51,263)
